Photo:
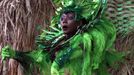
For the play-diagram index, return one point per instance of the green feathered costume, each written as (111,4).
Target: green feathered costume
(89,52)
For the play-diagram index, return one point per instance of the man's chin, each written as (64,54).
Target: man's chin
(65,32)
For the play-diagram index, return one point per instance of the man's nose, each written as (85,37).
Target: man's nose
(64,20)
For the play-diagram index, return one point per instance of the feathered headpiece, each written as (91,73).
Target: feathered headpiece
(87,9)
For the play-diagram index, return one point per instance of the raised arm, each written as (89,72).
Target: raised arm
(35,56)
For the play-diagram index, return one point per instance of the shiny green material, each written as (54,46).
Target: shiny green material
(88,9)
(90,51)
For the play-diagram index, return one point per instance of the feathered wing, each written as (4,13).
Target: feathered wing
(94,46)
(98,45)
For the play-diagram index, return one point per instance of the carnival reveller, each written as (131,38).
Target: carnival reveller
(83,47)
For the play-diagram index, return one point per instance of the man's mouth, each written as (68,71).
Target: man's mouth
(64,28)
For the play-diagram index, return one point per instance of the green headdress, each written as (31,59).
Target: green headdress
(87,9)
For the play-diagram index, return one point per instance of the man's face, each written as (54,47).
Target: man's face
(68,23)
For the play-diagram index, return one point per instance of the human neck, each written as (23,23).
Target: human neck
(67,36)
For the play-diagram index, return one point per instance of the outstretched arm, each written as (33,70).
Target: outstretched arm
(23,57)
(29,57)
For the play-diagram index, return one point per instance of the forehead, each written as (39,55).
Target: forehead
(68,14)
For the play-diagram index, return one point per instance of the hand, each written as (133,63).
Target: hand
(7,52)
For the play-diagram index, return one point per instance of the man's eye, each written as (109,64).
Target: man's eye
(61,19)
(71,18)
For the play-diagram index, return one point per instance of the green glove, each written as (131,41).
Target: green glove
(7,52)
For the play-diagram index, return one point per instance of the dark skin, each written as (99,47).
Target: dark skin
(69,24)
